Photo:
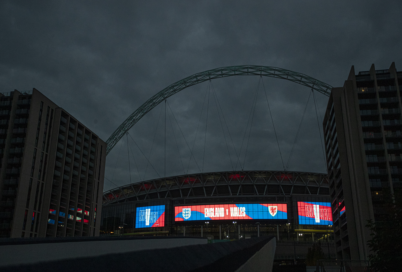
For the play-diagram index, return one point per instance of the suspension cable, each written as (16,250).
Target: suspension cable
(181,131)
(223,128)
(273,124)
(318,125)
(177,143)
(165,144)
(196,132)
(135,163)
(206,128)
(128,155)
(298,130)
(245,131)
(227,128)
(112,182)
(153,144)
(144,155)
(251,124)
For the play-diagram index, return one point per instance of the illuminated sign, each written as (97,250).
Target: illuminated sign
(230,212)
(150,217)
(314,213)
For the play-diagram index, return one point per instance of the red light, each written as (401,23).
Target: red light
(284,177)
(236,176)
(145,186)
(189,180)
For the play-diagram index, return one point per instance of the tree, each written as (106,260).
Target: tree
(314,254)
(386,235)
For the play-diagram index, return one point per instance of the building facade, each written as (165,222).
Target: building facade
(362,129)
(52,170)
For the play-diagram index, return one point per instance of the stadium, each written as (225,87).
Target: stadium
(205,205)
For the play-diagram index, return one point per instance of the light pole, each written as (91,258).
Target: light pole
(329,226)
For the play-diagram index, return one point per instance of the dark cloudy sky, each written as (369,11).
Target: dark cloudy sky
(100,60)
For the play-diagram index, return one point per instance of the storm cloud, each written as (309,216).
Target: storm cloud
(101,60)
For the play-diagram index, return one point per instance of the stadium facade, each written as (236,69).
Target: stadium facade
(294,206)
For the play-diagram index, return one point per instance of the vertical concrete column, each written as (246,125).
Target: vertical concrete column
(277,232)
(297,236)
(220,232)
(258,230)
(312,235)
(238,231)
(184,232)
(202,231)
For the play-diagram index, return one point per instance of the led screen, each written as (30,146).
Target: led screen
(314,213)
(150,217)
(231,212)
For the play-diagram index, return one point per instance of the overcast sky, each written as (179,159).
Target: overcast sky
(101,60)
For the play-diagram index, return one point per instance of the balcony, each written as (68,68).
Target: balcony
(24,102)
(391,122)
(365,90)
(367,101)
(20,121)
(386,88)
(22,111)
(5,226)
(14,161)
(377,171)
(369,112)
(396,171)
(16,150)
(17,140)
(7,203)
(372,135)
(5,103)
(390,111)
(370,124)
(374,147)
(11,181)
(13,171)
(385,100)
(9,192)
(394,146)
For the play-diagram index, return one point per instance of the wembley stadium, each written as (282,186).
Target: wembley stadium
(224,205)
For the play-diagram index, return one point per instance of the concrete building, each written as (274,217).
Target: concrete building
(362,129)
(52,170)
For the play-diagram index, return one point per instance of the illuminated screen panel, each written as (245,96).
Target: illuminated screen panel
(230,212)
(314,213)
(150,217)
(343,209)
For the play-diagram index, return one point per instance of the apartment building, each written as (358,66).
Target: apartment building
(52,170)
(362,129)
